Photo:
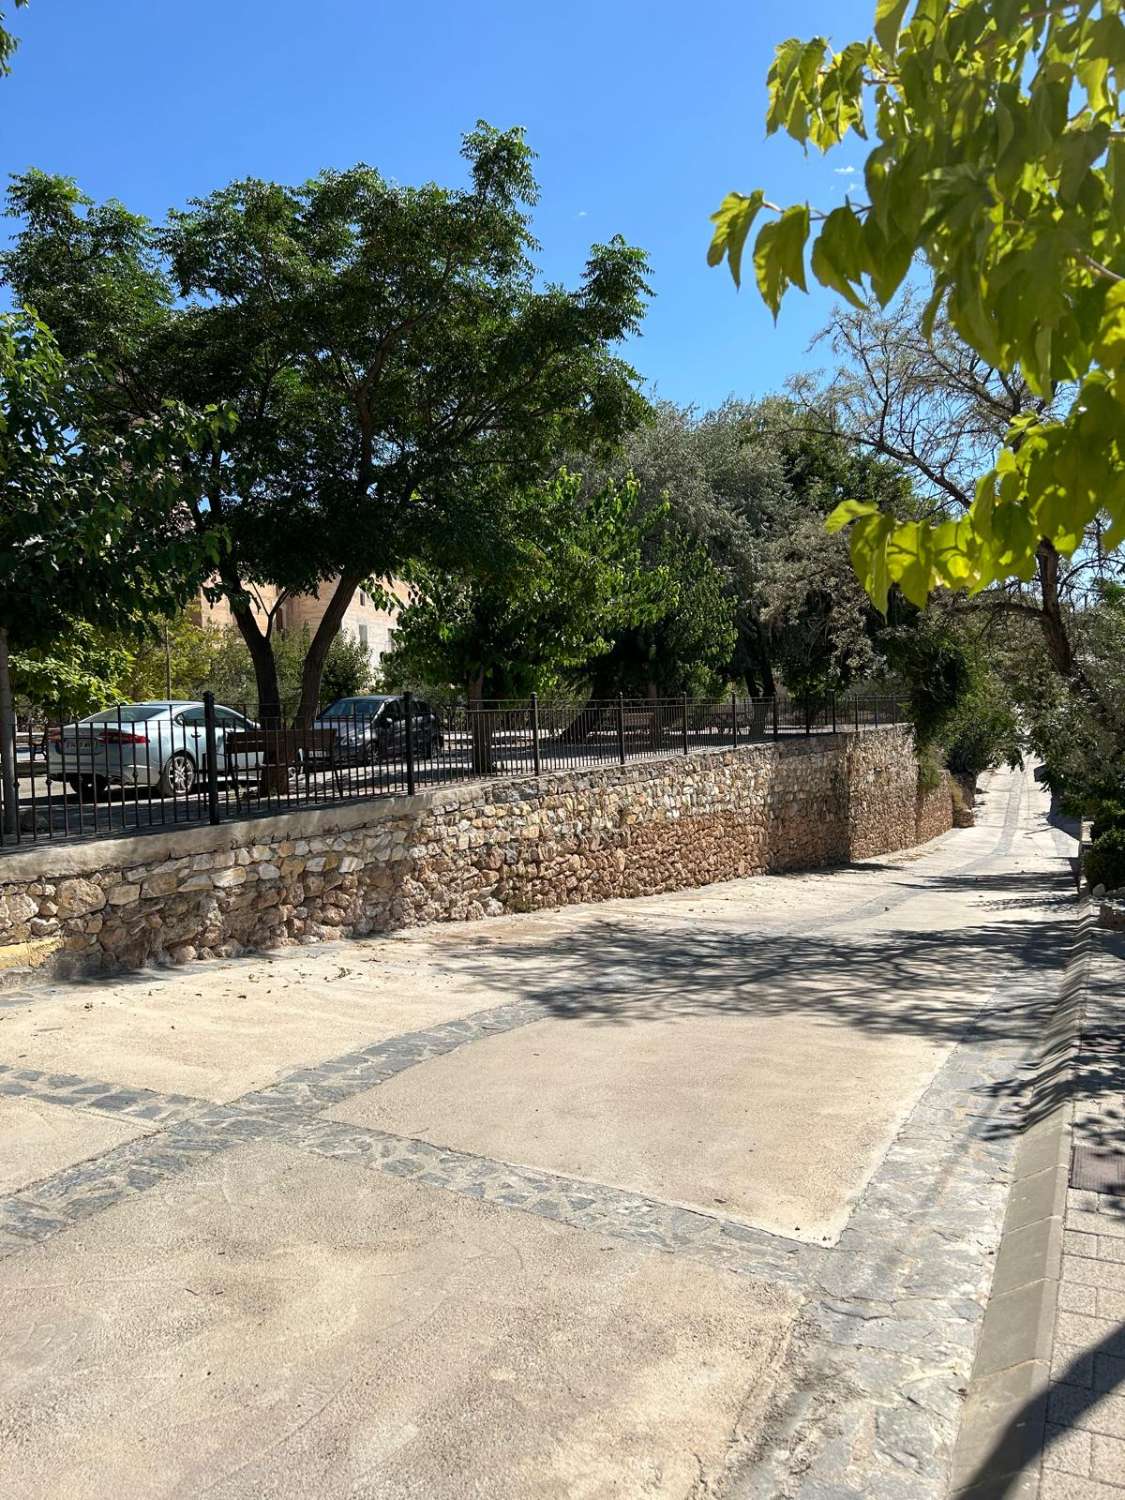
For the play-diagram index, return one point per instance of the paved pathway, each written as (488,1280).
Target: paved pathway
(687,1196)
(1084,1455)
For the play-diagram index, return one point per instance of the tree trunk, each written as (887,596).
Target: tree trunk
(1052,622)
(273,779)
(9,783)
(265,668)
(480,728)
(326,632)
(1051,617)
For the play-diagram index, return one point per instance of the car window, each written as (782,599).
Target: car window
(192,717)
(353,708)
(421,709)
(394,711)
(226,718)
(131,713)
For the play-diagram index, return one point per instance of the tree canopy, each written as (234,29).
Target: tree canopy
(999,164)
(95,524)
(387,350)
(561,578)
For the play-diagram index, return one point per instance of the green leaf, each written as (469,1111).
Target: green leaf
(839,254)
(868,545)
(732,222)
(779,255)
(910,559)
(888,21)
(848,511)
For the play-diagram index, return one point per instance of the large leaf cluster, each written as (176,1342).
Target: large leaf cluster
(562,577)
(94,522)
(382,345)
(999,161)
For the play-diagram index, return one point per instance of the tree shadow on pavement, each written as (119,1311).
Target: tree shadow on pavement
(908,981)
(1096,1372)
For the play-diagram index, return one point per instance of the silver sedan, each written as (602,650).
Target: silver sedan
(159,745)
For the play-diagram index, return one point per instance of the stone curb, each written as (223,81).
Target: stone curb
(1002,1429)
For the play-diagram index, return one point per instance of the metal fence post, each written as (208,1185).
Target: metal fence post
(535,731)
(776,726)
(734,719)
(857,716)
(408,710)
(212,758)
(621,727)
(808,715)
(876,713)
(833,713)
(684,706)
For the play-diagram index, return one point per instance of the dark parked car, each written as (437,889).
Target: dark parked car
(373,728)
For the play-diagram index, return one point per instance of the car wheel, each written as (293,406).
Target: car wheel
(178,776)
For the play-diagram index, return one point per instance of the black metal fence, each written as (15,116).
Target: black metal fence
(156,765)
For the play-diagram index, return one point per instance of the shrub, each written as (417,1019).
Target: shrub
(929,770)
(1105,860)
(1107,817)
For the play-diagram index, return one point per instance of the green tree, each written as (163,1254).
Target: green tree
(930,404)
(686,641)
(712,489)
(83,670)
(999,163)
(174,661)
(1084,750)
(384,347)
(561,576)
(347,668)
(744,490)
(93,523)
(963,713)
(822,632)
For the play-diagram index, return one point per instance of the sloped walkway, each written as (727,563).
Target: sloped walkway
(694,1195)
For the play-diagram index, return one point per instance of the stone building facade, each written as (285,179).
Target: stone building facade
(482,849)
(365,618)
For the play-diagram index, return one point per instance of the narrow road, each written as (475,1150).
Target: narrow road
(694,1195)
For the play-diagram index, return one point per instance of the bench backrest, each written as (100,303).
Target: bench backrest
(282,744)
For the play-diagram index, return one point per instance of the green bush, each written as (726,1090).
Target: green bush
(1107,817)
(1105,860)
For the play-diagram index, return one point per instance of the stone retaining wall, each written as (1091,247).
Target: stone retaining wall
(471,851)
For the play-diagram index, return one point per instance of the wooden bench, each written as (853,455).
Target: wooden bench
(638,723)
(280,753)
(750,718)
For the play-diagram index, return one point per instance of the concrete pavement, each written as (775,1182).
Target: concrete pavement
(690,1195)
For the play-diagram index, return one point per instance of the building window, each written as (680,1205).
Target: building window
(362,599)
(363,635)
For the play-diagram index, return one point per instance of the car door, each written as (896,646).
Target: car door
(423,728)
(188,734)
(230,720)
(393,719)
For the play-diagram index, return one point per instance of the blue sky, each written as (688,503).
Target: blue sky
(643,117)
